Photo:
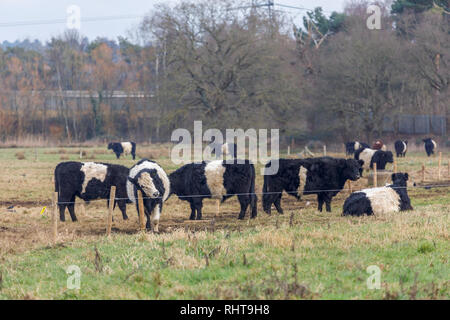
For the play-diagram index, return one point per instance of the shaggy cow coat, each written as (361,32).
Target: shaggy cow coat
(381,200)
(218,180)
(123,147)
(326,176)
(89,181)
(430,145)
(400,148)
(371,156)
(148,177)
(286,179)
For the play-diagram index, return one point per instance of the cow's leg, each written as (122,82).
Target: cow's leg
(117,155)
(192,216)
(320,202)
(244,201)
(71,207)
(278,204)
(62,208)
(134,155)
(123,208)
(327,199)
(147,224)
(156,213)
(198,206)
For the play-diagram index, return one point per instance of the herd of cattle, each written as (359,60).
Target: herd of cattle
(222,179)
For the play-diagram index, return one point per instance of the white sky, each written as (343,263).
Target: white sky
(12,11)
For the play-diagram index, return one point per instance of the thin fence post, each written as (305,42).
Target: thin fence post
(55,217)
(141,210)
(349,183)
(289,150)
(423,172)
(375,177)
(439,166)
(112,197)
(217,207)
(324,150)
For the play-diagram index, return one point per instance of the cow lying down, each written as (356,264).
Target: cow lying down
(381,200)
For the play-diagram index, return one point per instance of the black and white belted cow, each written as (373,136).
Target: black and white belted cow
(89,181)
(123,147)
(153,182)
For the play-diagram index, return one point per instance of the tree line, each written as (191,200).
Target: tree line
(327,77)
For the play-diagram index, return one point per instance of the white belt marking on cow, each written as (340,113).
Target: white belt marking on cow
(126,146)
(404,146)
(93,170)
(366,155)
(383,199)
(214,172)
(434,143)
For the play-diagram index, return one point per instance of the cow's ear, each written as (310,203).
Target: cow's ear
(406,176)
(361,162)
(133,181)
(393,176)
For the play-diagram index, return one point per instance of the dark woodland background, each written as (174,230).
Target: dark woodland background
(326,78)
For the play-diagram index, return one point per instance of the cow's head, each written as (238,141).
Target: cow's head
(400,179)
(148,182)
(351,168)
(110,145)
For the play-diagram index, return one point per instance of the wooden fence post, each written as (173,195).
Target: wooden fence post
(141,210)
(218,207)
(289,150)
(423,172)
(55,217)
(439,166)
(349,183)
(112,197)
(375,177)
(324,150)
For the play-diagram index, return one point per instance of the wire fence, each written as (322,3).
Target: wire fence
(304,192)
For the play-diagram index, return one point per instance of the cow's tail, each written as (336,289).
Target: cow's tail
(253,197)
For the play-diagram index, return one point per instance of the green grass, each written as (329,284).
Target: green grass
(311,260)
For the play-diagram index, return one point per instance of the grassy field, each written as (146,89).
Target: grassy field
(302,254)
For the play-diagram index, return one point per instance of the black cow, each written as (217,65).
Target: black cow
(371,156)
(352,146)
(392,198)
(326,176)
(148,177)
(430,145)
(286,178)
(123,147)
(215,179)
(89,181)
(400,147)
